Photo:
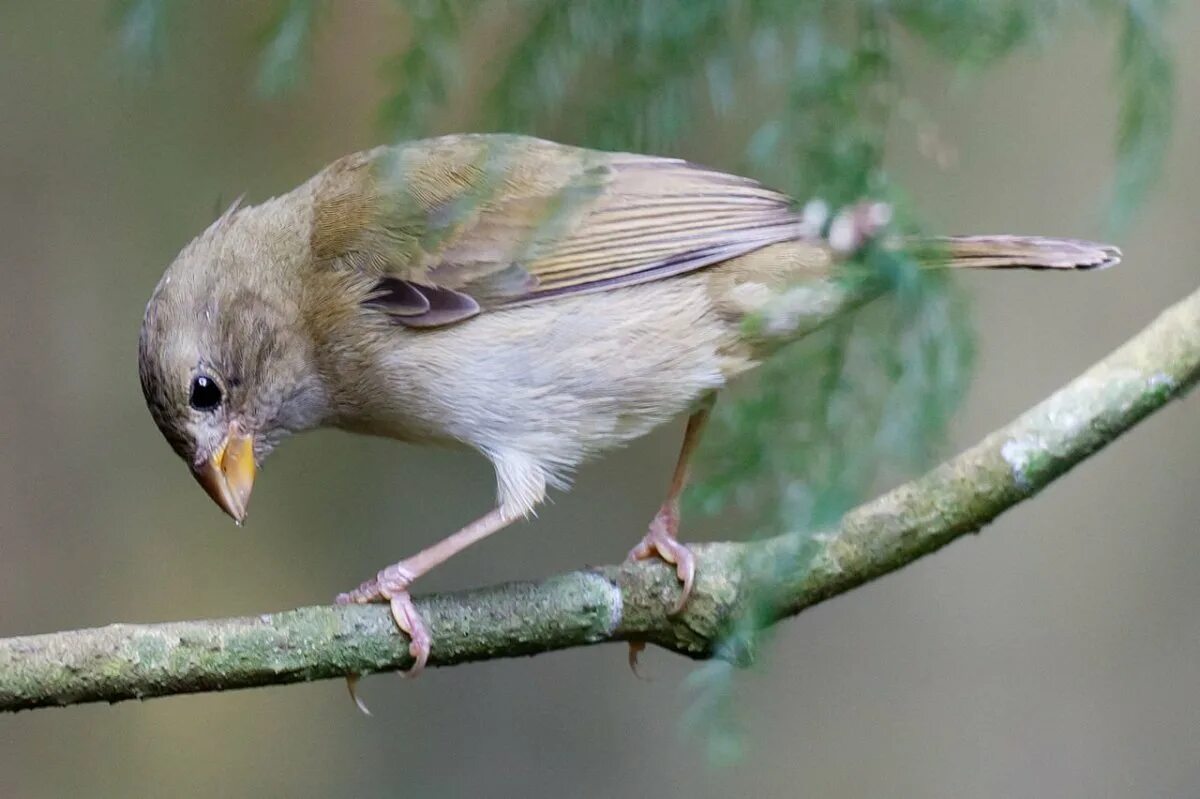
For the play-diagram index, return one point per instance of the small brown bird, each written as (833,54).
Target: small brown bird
(535,302)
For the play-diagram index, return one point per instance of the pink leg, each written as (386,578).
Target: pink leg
(662,540)
(391,584)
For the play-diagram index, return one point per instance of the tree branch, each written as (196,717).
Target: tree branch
(629,602)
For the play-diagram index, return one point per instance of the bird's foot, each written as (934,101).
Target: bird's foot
(391,586)
(662,541)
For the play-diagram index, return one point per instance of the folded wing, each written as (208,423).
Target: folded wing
(459,225)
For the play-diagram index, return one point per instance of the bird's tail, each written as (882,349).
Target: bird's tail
(1015,252)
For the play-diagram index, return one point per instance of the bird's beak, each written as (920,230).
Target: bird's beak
(228,476)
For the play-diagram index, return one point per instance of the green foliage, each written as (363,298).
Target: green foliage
(142,31)
(286,46)
(810,89)
(806,441)
(1146,79)
(641,75)
(429,67)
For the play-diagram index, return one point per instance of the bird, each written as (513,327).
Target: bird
(535,302)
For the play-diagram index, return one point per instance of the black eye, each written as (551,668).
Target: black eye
(206,394)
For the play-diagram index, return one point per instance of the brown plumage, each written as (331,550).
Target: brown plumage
(535,302)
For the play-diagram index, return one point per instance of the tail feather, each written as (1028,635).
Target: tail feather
(1016,252)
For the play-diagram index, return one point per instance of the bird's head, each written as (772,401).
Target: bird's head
(223,355)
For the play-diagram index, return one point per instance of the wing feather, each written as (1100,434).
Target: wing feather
(469,223)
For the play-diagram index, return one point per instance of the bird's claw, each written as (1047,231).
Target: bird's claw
(410,621)
(660,541)
(391,586)
(636,648)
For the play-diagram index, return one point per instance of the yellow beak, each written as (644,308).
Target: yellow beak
(228,476)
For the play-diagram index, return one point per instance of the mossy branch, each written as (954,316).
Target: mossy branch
(627,603)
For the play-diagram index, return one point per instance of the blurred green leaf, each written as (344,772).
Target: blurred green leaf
(1145,76)
(142,31)
(288,42)
(428,67)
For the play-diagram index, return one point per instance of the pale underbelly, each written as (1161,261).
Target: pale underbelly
(560,382)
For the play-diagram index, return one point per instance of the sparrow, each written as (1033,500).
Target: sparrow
(535,302)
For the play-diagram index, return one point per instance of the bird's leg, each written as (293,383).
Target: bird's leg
(391,584)
(661,539)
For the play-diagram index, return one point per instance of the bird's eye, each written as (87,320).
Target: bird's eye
(206,394)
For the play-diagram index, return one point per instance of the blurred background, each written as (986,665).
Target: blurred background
(1058,654)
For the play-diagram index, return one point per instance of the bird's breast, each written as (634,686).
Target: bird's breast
(560,381)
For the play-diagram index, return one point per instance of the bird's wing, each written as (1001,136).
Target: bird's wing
(460,224)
